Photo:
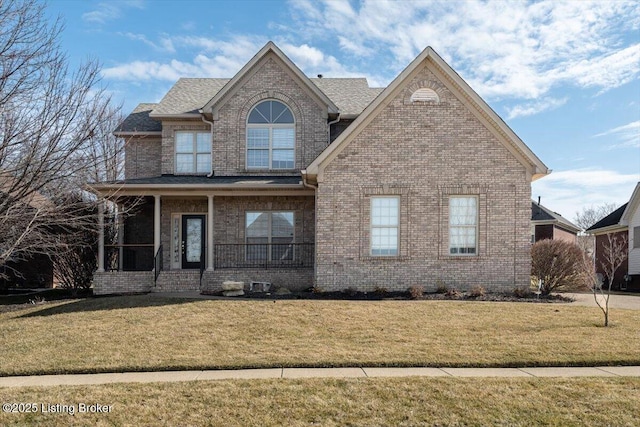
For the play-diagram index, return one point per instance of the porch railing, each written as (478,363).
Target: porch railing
(157,264)
(128,257)
(274,255)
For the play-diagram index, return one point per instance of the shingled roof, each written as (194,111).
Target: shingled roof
(540,213)
(612,219)
(139,120)
(189,95)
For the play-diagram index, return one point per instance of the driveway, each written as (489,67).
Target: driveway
(628,301)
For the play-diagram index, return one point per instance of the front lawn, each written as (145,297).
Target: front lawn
(147,332)
(416,401)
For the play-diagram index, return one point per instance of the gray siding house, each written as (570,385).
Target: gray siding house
(271,176)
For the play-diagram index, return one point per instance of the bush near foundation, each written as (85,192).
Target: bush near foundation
(559,264)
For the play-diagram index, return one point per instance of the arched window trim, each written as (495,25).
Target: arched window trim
(425,94)
(270,145)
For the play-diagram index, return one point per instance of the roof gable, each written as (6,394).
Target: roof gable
(270,50)
(632,206)
(459,88)
(610,220)
(542,214)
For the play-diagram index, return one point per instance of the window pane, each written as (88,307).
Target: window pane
(257,138)
(258,116)
(384,211)
(203,163)
(257,224)
(258,159)
(463,217)
(282,159)
(277,108)
(284,117)
(203,143)
(184,163)
(282,224)
(283,138)
(184,142)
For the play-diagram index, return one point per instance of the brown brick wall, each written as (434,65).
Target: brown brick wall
(269,81)
(142,157)
(424,153)
(122,282)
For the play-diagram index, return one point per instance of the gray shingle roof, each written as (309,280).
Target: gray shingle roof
(351,95)
(139,120)
(189,95)
(541,213)
(612,219)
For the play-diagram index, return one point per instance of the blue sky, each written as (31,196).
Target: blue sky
(564,75)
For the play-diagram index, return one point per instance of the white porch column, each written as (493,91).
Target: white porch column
(156,225)
(100,237)
(210,233)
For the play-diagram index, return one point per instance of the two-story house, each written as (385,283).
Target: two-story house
(273,176)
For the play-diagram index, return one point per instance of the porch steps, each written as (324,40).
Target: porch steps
(176,281)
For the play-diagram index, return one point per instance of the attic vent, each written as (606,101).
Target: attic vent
(425,95)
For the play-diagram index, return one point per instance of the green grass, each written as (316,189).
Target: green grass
(412,401)
(146,332)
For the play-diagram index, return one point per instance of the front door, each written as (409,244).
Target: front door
(192,240)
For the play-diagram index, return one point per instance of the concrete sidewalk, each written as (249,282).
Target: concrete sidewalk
(354,372)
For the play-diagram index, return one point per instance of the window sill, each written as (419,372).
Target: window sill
(384,258)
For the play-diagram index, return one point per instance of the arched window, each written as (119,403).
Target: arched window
(270,136)
(425,95)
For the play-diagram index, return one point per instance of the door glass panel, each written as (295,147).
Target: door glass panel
(194,239)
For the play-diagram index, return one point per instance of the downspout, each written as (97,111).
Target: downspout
(329,125)
(210,138)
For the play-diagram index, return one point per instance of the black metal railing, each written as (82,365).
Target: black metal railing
(128,257)
(274,255)
(157,264)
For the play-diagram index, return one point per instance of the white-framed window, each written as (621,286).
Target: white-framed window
(463,225)
(269,235)
(385,225)
(270,136)
(193,152)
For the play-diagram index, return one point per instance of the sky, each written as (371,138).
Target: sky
(564,75)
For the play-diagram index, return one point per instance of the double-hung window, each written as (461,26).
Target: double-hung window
(270,136)
(193,152)
(463,225)
(385,225)
(269,236)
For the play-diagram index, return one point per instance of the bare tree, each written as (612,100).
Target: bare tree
(585,219)
(614,253)
(50,118)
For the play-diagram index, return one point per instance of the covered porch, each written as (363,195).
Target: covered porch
(195,235)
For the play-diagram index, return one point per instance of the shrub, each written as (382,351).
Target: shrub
(559,264)
(441,288)
(477,292)
(416,291)
(522,292)
(453,293)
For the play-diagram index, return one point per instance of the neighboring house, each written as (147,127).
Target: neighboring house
(34,270)
(623,221)
(272,176)
(546,224)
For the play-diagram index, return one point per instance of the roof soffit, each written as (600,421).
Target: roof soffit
(270,50)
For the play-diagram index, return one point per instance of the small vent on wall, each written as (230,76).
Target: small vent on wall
(425,95)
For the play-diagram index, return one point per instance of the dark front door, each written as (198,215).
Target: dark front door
(192,240)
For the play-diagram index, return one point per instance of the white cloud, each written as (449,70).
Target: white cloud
(568,191)
(105,12)
(517,52)
(165,44)
(628,135)
(535,107)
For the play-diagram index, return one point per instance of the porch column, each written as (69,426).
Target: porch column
(100,237)
(156,224)
(120,219)
(210,233)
